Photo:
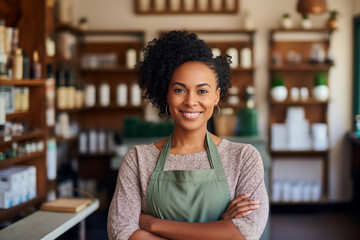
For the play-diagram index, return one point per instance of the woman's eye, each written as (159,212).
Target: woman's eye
(179,90)
(203,91)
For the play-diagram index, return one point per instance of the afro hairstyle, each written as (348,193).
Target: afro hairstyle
(164,55)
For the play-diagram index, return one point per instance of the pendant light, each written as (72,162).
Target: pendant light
(311,6)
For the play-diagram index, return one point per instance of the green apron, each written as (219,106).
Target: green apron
(188,196)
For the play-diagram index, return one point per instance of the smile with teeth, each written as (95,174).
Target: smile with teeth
(191,115)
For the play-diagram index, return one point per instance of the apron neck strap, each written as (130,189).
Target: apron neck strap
(213,154)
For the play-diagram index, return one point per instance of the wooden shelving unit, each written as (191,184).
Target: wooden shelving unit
(300,75)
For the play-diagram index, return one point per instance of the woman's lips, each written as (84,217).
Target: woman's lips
(190,115)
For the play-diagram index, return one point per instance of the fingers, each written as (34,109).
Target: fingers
(239,207)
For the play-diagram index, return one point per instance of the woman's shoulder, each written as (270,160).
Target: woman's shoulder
(238,150)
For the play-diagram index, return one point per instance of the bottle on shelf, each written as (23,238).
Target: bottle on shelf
(246,57)
(79,97)
(71,89)
(3,55)
(234,53)
(135,94)
(50,97)
(36,66)
(104,94)
(18,65)
(90,95)
(122,95)
(130,58)
(61,91)
(2,112)
(26,65)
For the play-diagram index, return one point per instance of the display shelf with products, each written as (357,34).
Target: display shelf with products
(299,63)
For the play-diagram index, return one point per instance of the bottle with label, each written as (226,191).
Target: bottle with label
(61,91)
(2,112)
(135,94)
(26,65)
(71,90)
(122,94)
(36,66)
(234,53)
(3,55)
(18,65)
(104,93)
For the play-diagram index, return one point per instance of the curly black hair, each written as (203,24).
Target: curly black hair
(164,55)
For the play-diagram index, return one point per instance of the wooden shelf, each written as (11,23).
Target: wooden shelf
(120,69)
(298,153)
(113,107)
(138,33)
(96,155)
(323,200)
(235,70)
(6,214)
(301,67)
(20,159)
(293,30)
(300,102)
(23,136)
(70,139)
(17,115)
(24,82)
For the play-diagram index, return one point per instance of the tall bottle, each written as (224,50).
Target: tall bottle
(135,94)
(36,66)
(104,94)
(61,91)
(122,94)
(26,65)
(50,97)
(3,55)
(2,112)
(71,90)
(18,65)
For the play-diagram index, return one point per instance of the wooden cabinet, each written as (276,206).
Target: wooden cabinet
(292,58)
(36,132)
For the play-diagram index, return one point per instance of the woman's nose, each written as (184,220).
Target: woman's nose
(191,99)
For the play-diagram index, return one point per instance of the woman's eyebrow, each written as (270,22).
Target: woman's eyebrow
(198,86)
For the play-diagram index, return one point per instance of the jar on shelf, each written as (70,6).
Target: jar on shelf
(144,5)
(278,90)
(216,52)
(321,90)
(189,5)
(122,94)
(90,95)
(175,5)
(286,21)
(246,57)
(160,5)
(216,5)
(104,94)
(130,60)
(234,53)
(202,5)
(306,22)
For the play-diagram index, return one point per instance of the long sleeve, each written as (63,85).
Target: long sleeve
(125,207)
(251,180)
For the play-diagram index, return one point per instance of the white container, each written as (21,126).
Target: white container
(51,162)
(130,60)
(296,192)
(216,52)
(277,191)
(93,141)
(90,95)
(319,136)
(189,5)
(102,141)
(321,93)
(135,94)
(63,119)
(246,58)
(316,191)
(203,5)
(233,100)
(104,94)
(144,5)
(160,5)
(279,93)
(294,94)
(122,94)
(287,23)
(306,24)
(175,5)
(216,5)
(304,94)
(234,53)
(306,194)
(83,142)
(286,193)
(5,199)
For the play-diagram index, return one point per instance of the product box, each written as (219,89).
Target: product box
(10,180)
(5,199)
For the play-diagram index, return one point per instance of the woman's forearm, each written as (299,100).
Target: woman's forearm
(141,235)
(196,231)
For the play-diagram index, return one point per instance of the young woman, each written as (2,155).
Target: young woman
(192,184)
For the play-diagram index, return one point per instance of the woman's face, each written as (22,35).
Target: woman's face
(192,95)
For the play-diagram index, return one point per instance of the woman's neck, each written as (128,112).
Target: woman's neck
(188,141)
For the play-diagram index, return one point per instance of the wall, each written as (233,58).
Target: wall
(115,14)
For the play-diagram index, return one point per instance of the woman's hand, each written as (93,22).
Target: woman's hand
(240,207)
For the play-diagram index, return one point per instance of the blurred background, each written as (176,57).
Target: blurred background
(70,105)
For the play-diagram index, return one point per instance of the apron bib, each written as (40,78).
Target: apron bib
(188,196)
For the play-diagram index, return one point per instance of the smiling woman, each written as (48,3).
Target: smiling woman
(192,184)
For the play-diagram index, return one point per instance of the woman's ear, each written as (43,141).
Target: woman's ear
(217,95)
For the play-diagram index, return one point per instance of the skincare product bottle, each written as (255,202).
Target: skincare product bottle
(72,90)
(246,58)
(79,97)
(122,94)
(233,52)
(61,91)
(26,66)
(18,65)
(135,94)
(90,95)
(36,66)
(50,97)
(130,58)
(104,94)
